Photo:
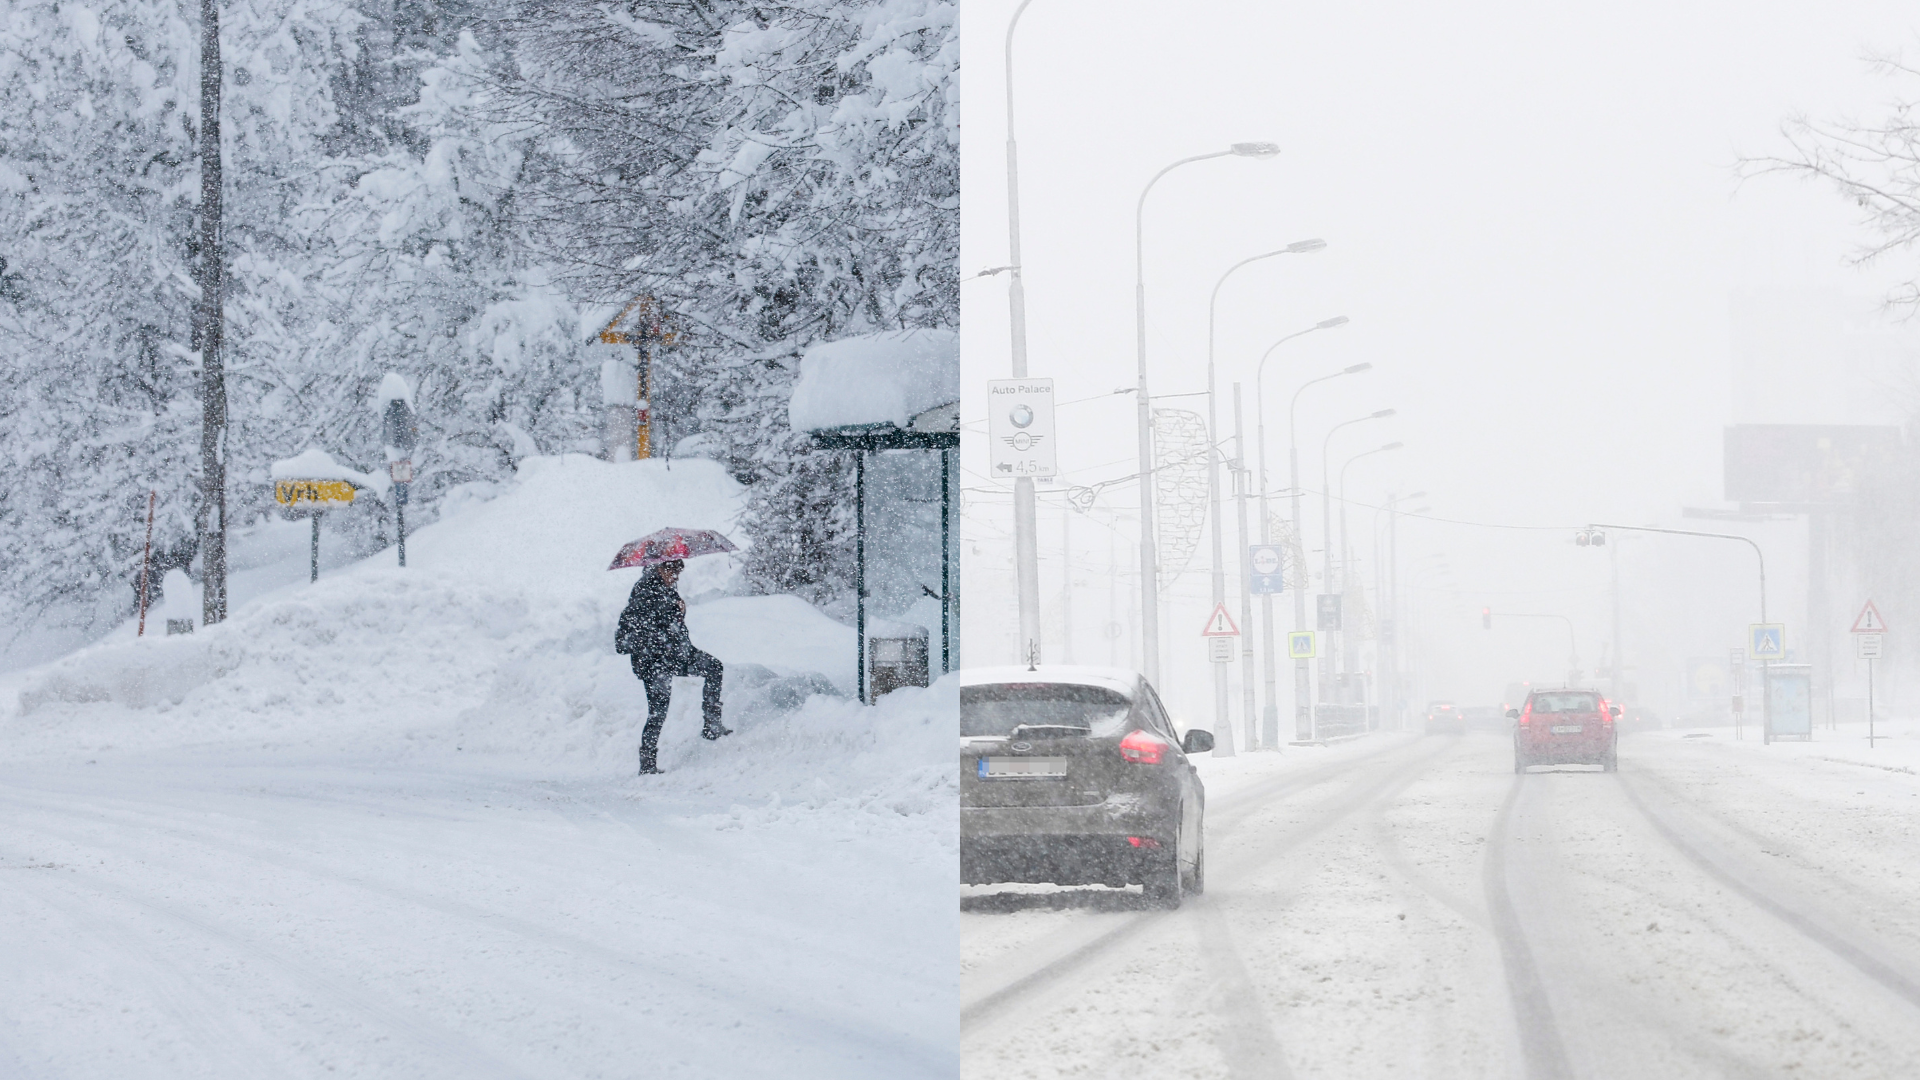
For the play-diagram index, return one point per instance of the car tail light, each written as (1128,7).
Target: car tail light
(1143,747)
(1147,842)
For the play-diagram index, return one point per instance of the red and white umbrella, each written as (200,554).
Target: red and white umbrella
(669,544)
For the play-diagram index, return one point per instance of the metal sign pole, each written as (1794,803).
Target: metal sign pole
(315,575)
(146,558)
(1869,704)
(860,572)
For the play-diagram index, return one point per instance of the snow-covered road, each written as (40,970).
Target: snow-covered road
(168,918)
(1407,906)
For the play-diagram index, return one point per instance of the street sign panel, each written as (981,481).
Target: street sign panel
(1220,650)
(1767,641)
(1868,646)
(1326,609)
(316,493)
(1220,624)
(1269,569)
(1869,621)
(1300,645)
(1020,438)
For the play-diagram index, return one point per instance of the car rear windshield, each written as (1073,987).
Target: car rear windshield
(998,708)
(1566,703)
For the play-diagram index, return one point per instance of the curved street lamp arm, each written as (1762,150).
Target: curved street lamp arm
(1140,208)
(1011,23)
(1757,553)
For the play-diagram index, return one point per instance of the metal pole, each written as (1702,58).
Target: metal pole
(1394,627)
(1149,558)
(860,573)
(1766,687)
(1619,658)
(315,575)
(1026,553)
(146,558)
(1302,687)
(1246,576)
(1217,527)
(1270,717)
(1066,583)
(946,561)
(1869,704)
(400,515)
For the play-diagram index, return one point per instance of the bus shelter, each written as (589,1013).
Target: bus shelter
(892,401)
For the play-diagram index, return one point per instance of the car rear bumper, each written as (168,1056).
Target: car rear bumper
(1118,842)
(1549,749)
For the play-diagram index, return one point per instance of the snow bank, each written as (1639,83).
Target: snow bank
(497,640)
(314,463)
(876,379)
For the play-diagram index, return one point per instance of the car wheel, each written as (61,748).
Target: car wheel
(1163,880)
(1611,762)
(1519,763)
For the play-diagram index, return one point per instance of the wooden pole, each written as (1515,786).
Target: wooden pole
(146,559)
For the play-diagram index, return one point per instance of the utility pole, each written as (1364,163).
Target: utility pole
(1066,582)
(209,326)
(1026,551)
(1613,684)
(1240,478)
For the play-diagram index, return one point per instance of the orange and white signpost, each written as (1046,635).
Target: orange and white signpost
(1220,633)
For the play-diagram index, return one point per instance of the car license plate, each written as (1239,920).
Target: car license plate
(1022,768)
(1566,729)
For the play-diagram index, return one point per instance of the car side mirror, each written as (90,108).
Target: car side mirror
(1197,742)
(1614,710)
(1513,714)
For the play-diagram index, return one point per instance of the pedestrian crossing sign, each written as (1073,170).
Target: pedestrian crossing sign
(1300,645)
(1767,641)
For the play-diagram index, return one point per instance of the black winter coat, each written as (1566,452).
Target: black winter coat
(653,628)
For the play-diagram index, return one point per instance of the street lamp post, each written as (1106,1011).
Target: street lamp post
(1224,730)
(1327,666)
(1302,691)
(1026,557)
(1389,583)
(1766,667)
(1350,649)
(1149,558)
(1270,719)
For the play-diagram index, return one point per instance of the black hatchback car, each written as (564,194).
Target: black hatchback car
(1075,776)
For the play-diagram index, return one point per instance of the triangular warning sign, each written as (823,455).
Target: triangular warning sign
(1869,621)
(1220,624)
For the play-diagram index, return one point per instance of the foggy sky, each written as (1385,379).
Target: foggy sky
(1535,226)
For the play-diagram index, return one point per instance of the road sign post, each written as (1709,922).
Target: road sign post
(401,433)
(1869,641)
(313,497)
(1269,565)
(1220,632)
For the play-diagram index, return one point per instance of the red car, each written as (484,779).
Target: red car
(1565,727)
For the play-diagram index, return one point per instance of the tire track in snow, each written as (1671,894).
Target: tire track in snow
(1542,1051)
(1250,1045)
(1859,950)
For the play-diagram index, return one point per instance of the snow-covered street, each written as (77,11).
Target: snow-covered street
(388,825)
(1406,906)
(174,918)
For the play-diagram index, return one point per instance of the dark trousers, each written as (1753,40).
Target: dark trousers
(659,682)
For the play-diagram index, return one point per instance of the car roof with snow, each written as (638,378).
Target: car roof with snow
(1120,680)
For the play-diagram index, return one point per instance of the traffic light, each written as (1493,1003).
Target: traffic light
(1486,618)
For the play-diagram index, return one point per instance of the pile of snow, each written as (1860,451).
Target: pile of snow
(497,639)
(314,463)
(885,378)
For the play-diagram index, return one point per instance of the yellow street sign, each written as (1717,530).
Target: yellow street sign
(320,493)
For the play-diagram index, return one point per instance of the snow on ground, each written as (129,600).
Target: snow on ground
(1407,906)
(386,825)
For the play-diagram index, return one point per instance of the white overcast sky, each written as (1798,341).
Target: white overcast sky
(1534,224)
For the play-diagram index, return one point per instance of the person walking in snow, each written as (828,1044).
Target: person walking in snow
(653,634)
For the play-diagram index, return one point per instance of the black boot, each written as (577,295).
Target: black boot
(714,731)
(649,763)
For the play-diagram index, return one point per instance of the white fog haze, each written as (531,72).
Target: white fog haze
(1579,252)
(1534,222)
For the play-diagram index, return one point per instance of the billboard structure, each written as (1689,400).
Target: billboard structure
(1796,467)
